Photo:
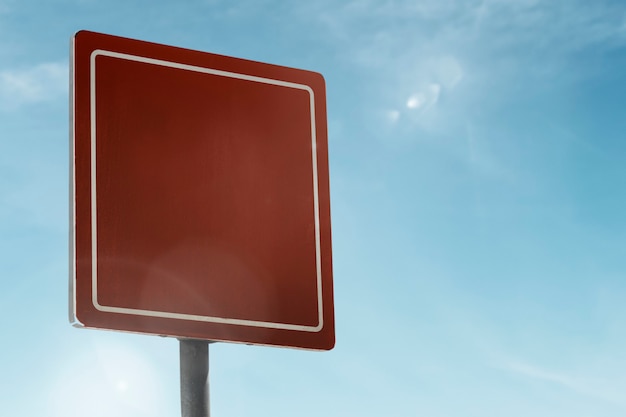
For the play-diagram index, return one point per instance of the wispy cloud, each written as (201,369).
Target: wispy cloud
(535,372)
(34,84)
(5,8)
(474,51)
(605,388)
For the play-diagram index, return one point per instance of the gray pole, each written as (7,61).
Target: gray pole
(194,378)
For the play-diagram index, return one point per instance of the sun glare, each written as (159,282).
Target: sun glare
(114,380)
(415,101)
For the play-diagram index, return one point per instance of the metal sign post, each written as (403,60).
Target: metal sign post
(200,203)
(194,378)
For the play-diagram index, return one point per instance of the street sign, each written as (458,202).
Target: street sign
(200,196)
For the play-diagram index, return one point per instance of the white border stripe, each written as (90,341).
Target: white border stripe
(94,227)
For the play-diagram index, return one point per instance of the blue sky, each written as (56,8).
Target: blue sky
(477,181)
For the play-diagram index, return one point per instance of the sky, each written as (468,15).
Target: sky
(477,195)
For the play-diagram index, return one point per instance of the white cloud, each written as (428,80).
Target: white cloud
(39,83)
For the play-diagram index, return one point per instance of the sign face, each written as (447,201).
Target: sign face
(200,196)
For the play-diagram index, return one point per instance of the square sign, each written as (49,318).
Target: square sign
(200,192)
